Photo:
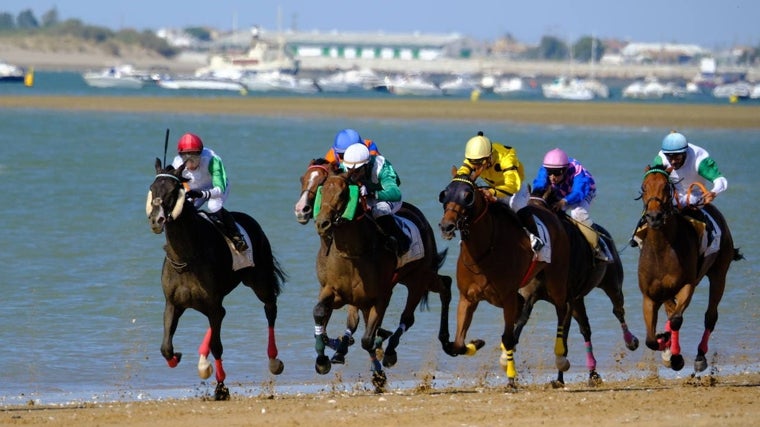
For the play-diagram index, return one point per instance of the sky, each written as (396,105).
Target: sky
(709,23)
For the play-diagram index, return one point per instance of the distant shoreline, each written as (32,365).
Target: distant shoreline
(535,112)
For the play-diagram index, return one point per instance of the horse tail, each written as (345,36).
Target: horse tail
(278,276)
(737,255)
(440,259)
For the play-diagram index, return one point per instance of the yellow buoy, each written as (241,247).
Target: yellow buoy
(29,77)
(733,99)
(474,95)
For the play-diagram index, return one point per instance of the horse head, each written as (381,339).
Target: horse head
(166,196)
(338,204)
(461,200)
(315,175)
(657,194)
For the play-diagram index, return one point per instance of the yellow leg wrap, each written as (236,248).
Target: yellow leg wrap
(559,344)
(510,368)
(470,349)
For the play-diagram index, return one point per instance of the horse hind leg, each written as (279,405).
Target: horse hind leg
(717,286)
(614,291)
(341,344)
(581,317)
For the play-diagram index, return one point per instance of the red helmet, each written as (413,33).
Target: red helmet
(189,143)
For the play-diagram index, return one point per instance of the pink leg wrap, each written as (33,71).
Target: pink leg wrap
(220,374)
(627,335)
(703,344)
(590,360)
(203,349)
(675,345)
(272,347)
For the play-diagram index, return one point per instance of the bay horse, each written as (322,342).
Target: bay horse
(355,268)
(197,272)
(586,273)
(495,260)
(671,266)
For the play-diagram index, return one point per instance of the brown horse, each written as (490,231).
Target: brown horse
(355,268)
(495,260)
(671,266)
(586,273)
(198,274)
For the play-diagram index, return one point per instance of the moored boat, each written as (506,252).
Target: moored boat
(122,77)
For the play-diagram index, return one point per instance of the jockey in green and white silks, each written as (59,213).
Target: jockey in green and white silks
(691,164)
(379,184)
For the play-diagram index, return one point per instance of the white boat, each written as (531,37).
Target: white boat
(731,90)
(11,73)
(200,83)
(599,89)
(412,85)
(275,81)
(262,56)
(122,77)
(569,89)
(458,85)
(509,85)
(350,81)
(649,88)
(755,94)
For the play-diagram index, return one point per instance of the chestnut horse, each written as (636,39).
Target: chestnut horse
(586,273)
(198,274)
(671,266)
(496,259)
(355,268)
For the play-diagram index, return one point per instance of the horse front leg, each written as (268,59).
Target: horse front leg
(614,292)
(341,344)
(510,309)
(445,294)
(171,320)
(322,312)
(465,311)
(373,344)
(213,342)
(683,298)
(581,317)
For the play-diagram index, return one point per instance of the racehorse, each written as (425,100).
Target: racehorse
(586,273)
(671,265)
(496,259)
(197,272)
(355,268)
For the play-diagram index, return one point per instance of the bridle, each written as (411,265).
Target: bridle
(464,211)
(666,205)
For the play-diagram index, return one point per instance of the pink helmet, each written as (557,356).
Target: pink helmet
(556,158)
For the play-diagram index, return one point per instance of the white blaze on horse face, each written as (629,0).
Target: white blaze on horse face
(149,204)
(301,203)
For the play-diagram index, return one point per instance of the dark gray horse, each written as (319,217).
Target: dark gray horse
(198,274)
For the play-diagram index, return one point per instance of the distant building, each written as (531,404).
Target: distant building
(642,53)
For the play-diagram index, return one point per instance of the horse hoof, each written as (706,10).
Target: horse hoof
(276,366)
(563,365)
(666,356)
(676,362)
(205,369)
(594,379)
(557,384)
(390,359)
(633,344)
(379,380)
(700,364)
(338,359)
(221,392)
(323,365)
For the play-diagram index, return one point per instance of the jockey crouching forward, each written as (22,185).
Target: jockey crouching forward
(208,184)
(379,183)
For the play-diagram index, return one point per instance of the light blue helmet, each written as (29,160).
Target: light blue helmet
(344,139)
(674,143)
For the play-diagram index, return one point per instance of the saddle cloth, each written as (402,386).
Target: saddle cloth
(706,246)
(416,247)
(239,260)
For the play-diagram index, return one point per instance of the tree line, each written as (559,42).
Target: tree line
(49,24)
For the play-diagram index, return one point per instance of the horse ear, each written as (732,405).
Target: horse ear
(646,169)
(453,171)
(158,165)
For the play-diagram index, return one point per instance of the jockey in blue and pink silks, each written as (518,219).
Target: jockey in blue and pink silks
(576,187)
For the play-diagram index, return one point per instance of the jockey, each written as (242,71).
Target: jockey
(343,140)
(208,184)
(576,187)
(380,185)
(691,164)
(499,167)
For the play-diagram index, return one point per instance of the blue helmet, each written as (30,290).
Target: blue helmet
(344,139)
(674,143)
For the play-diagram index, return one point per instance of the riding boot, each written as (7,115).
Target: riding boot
(230,229)
(397,242)
(638,233)
(699,216)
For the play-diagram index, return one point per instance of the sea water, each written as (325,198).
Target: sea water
(81,315)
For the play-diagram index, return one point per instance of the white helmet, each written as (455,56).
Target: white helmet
(356,155)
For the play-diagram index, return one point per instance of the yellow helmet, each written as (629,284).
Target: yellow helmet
(478,147)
